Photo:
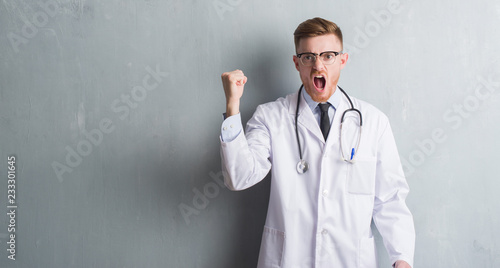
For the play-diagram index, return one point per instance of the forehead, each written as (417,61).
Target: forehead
(317,44)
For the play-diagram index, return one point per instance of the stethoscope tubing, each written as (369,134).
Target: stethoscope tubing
(302,163)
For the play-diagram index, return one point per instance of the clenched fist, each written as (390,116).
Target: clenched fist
(233,83)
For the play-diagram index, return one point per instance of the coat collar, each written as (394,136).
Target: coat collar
(306,118)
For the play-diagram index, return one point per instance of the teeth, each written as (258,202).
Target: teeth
(319,76)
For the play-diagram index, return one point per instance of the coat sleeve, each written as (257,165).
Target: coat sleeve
(391,214)
(246,159)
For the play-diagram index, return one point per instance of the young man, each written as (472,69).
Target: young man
(320,210)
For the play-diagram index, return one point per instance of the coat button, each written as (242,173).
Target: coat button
(324,232)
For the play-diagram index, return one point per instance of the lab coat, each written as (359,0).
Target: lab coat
(322,218)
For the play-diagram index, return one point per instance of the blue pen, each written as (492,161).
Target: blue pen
(352,153)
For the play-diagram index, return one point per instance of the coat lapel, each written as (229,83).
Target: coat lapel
(306,118)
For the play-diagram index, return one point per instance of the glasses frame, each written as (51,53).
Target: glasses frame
(316,56)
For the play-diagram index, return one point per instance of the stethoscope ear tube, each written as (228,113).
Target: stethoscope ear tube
(352,110)
(354,150)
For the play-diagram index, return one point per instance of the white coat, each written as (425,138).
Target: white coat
(322,218)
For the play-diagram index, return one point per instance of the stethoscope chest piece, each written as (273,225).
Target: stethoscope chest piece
(302,166)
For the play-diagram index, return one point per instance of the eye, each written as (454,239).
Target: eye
(328,56)
(308,57)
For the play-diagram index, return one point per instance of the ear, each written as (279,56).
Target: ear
(343,60)
(296,61)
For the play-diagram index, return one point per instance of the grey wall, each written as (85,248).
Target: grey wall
(132,160)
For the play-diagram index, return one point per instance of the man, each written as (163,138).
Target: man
(319,216)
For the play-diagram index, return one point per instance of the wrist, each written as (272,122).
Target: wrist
(232,108)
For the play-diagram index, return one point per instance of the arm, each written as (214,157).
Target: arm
(245,159)
(391,215)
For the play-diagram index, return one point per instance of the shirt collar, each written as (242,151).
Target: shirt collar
(334,99)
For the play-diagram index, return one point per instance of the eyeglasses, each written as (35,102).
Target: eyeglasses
(309,58)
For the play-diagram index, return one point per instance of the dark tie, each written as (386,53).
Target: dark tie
(325,120)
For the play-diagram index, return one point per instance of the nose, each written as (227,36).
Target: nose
(318,64)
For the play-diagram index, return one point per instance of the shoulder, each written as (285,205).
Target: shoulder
(281,104)
(271,113)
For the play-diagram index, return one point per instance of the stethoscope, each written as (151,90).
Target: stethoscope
(302,165)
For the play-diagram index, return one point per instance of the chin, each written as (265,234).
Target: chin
(320,99)
(322,96)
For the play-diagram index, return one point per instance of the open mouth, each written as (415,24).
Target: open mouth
(319,82)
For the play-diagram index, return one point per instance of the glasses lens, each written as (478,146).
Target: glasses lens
(308,59)
(328,57)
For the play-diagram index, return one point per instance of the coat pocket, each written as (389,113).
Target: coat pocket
(367,256)
(271,248)
(361,176)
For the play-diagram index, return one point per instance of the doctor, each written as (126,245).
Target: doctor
(319,211)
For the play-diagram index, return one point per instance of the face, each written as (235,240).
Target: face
(320,80)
